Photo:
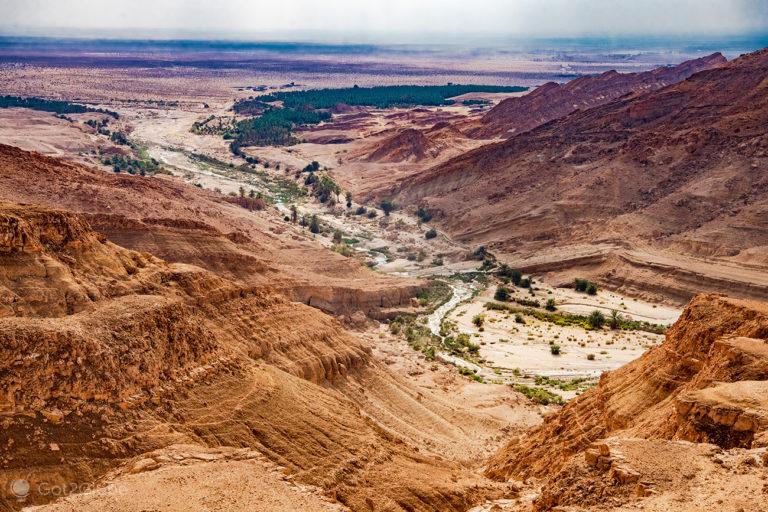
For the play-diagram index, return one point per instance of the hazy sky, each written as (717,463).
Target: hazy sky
(508,17)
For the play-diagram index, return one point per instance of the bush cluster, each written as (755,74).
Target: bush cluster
(582,285)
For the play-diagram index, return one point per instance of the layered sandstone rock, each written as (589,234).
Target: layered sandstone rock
(107,354)
(183,224)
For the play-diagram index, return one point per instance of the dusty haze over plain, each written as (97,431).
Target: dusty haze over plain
(545,18)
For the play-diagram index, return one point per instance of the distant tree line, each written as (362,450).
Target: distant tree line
(55,106)
(385,96)
(274,127)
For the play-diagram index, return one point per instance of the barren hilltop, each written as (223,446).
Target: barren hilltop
(553,100)
(669,179)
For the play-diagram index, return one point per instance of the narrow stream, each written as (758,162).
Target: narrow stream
(461,292)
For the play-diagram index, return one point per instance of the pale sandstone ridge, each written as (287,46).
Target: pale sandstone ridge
(180,223)
(673,178)
(552,100)
(108,354)
(701,392)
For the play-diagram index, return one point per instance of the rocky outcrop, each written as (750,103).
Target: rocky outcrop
(625,473)
(54,264)
(688,412)
(94,296)
(380,304)
(732,414)
(705,383)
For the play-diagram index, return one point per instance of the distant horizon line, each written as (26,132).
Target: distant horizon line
(318,36)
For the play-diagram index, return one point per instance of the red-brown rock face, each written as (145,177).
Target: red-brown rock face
(552,101)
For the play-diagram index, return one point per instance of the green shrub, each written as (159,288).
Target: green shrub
(470,373)
(325,188)
(501,294)
(538,395)
(423,214)
(314,225)
(387,207)
(582,285)
(531,303)
(488,264)
(596,319)
(554,349)
(481,253)
(432,233)
(550,305)
(119,138)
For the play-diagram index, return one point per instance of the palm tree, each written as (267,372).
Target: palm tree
(615,319)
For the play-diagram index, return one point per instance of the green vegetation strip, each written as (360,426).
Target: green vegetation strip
(566,319)
(278,188)
(435,295)
(577,384)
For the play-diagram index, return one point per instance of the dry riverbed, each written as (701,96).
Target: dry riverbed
(512,348)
